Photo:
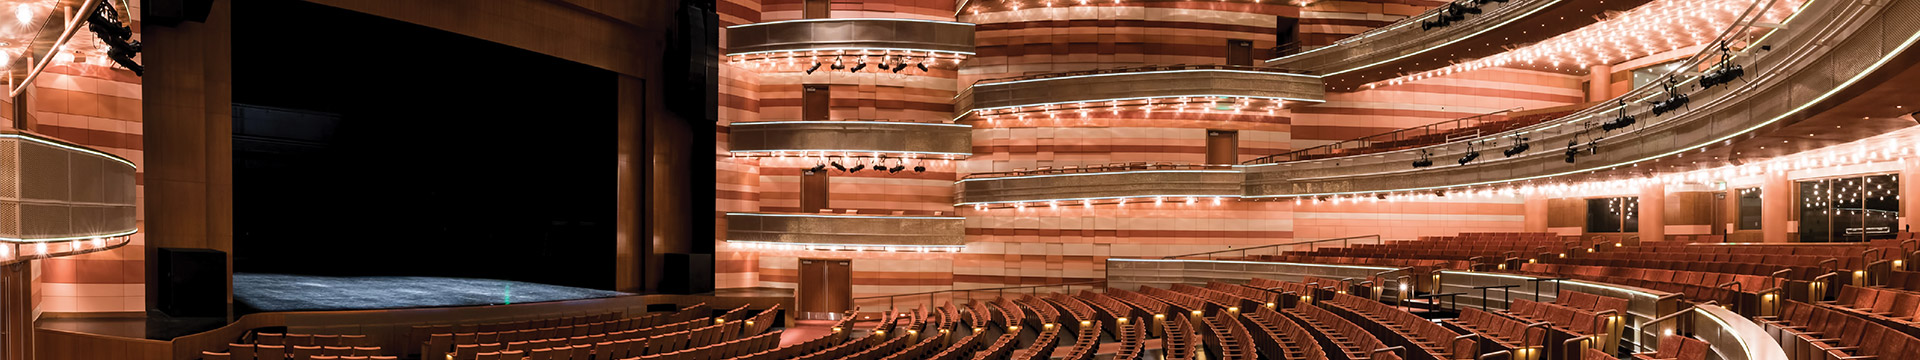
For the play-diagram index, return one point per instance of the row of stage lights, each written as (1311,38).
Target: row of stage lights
(780,246)
(1237,105)
(879,60)
(41,249)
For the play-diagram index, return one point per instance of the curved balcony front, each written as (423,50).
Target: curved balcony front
(851,138)
(861,36)
(1405,47)
(1141,184)
(1163,86)
(1838,65)
(847,232)
(60,199)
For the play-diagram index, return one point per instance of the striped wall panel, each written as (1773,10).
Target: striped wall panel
(1002,147)
(866,95)
(1040,245)
(1409,219)
(736,12)
(777,10)
(874,273)
(736,181)
(1045,40)
(98,107)
(1324,22)
(1348,115)
(868,192)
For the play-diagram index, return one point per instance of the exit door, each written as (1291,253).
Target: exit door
(826,286)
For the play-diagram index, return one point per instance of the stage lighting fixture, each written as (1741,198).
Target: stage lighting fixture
(857,168)
(861,65)
(1519,146)
(1440,193)
(896,168)
(1674,101)
(816,66)
(919,168)
(900,64)
(922,65)
(836,166)
(837,65)
(1571,151)
(1424,161)
(1725,73)
(1593,146)
(105,23)
(818,168)
(1472,153)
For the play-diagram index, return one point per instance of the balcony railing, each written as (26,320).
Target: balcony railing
(1098,168)
(1429,134)
(1137,69)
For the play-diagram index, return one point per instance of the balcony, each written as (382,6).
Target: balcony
(67,199)
(1830,77)
(1116,183)
(796,45)
(1165,88)
(846,232)
(852,138)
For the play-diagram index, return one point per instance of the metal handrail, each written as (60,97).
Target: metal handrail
(1243,251)
(930,294)
(1368,141)
(1099,168)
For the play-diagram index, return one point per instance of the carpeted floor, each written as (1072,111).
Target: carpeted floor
(279,292)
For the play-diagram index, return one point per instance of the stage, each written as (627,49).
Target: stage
(254,292)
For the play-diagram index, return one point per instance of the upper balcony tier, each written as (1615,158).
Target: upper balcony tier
(1411,46)
(852,138)
(786,44)
(1240,88)
(847,232)
(1833,74)
(1115,183)
(65,198)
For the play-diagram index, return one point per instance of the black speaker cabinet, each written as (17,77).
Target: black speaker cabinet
(687,274)
(193,282)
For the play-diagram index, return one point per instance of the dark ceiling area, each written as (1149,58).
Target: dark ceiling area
(366,146)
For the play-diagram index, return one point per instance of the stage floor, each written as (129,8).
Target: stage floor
(254,292)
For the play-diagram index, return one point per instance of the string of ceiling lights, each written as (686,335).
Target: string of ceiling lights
(853,162)
(848,60)
(1145,106)
(1657,27)
(1017,5)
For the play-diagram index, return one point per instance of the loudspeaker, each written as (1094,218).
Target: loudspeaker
(172,12)
(687,273)
(193,282)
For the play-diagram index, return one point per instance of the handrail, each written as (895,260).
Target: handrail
(1365,141)
(1344,241)
(930,294)
(1134,69)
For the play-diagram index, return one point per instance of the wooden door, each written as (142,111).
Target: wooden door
(1223,147)
(825,285)
(814,103)
(1239,52)
(813,191)
(816,9)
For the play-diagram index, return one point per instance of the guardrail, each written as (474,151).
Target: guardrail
(1098,168)
(1312,244)
(1398,139)
(953,295)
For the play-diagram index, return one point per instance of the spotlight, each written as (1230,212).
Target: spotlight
(922,65)
(857,168)
(896,168)
(816,66)
(836,166)
(818,168)
(1621,121)
(1725,73)
(899,65)
(861,65)
(1519,146)
(1673,102)
(919,168)
(105,23)
(1593,146)
(1424,161)
(837,65)
(1440,193)
(1571,151)
(1472,153)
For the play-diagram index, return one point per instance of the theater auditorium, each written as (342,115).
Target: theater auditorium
(960,179)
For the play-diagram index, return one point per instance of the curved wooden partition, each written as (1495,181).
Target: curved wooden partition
(1100,87)
(388,328)
(61,199)
(851,138)
(1105,187)
(838,34)
(1733,337)
(1831,52)
(847,230)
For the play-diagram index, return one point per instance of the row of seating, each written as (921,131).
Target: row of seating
(1700,286)
(1336,332)
(1010,314)
(724,350)
(1001,347)
(1724,267)
(281,352)
(1577,321)
(1043,344)
(572,333)
(1904,280)
(1809,332)
(1219,299)
(875,335)
(1284,337)
(1086,341)
(1043,312)
(1259,297)
(1896,308)
(1228,338)
(1133,340)
(1673,347)
(421,334)
(966,346)
(1407,330)
(292,339)
(659,339)
(1181,341)
(837,336)
(1114,311)
(1183,302)
(1500,333)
